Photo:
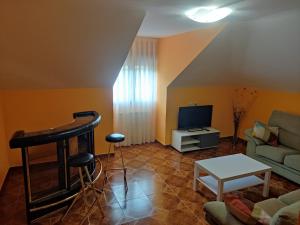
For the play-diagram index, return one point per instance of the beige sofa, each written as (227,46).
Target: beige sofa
(283,210)
(284,159)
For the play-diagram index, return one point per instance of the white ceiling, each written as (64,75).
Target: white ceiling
(166,17)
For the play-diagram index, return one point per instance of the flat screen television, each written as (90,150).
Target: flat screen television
(194,117)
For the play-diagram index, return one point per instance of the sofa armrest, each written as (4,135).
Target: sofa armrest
(216,213)
(249,137)
(252,143)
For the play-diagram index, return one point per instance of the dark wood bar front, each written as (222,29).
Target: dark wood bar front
(48,180)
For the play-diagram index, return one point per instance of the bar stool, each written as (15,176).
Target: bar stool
(113,139)
(81,161)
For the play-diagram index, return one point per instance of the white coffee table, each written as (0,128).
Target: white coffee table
(231,173)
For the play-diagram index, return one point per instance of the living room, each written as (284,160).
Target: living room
(61,57)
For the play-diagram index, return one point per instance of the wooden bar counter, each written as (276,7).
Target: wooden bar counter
(48,180)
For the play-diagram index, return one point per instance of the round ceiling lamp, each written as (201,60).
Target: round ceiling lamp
(208,14)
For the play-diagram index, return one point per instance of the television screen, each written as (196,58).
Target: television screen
(193,117)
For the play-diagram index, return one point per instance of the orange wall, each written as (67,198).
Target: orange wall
(4,165)
(221,98)
(175,53)
(266,102)
(218,96)
(31,110)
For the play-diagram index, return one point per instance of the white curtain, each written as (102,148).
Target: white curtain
(135,94)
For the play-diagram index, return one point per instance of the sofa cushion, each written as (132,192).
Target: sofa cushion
(289,134)
(276,154)
(289,139)
(293,161)
(270,206)
(219,213)
(287,216)
(291,197)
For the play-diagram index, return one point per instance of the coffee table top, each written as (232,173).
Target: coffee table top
(232,166)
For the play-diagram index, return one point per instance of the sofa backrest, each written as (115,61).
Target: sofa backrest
(287,215)
(289,132)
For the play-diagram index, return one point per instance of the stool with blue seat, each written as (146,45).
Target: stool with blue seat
(82,161)
(113,139)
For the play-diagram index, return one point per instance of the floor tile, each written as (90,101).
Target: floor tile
(137,208)
(134,191)
(164,200)
(180,217)
(160,190)
(149,221)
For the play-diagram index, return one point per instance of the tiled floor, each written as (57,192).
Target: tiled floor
(159,190)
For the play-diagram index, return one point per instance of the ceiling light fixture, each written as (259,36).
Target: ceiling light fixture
(208,14)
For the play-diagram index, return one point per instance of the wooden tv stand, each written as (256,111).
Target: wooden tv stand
(196,139)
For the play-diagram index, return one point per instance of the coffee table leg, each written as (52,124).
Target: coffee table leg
(196,175)
(267,184)
(220,191)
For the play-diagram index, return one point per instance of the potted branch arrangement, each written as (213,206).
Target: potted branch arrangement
(243,98)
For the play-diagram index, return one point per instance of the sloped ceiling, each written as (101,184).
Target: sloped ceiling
(262,53)
(77,43)
(64,43)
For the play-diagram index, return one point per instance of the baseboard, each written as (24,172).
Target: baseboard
(4,180)
(103,156)
(225,138)
(160,142)
(97,156)
(229,139)
(243,141)
(10,169)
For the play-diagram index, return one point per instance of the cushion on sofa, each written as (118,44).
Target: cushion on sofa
(249,136)
(287,216)
(241,208)
(270,206)
(293,161)
(265,133)
(276,154)
(219,212)
(291,197)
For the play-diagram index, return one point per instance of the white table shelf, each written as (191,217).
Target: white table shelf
(212,184)
(188,148)
(188,141)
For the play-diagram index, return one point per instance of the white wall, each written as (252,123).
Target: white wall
(263,53)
